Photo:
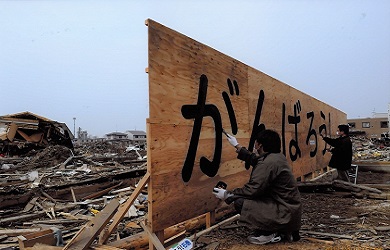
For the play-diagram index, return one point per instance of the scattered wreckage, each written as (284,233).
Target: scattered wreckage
(23,132)
(51,193)
(56,196)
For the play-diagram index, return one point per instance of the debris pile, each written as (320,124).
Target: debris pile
(56,192)
(367,150)
(22,132)
(56,187)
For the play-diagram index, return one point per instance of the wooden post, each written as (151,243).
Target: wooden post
(210,219)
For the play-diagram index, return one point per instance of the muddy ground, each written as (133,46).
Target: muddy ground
(344,221)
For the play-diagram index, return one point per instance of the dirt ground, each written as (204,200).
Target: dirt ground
(341,221)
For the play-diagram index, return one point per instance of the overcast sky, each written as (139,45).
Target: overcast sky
(87,59)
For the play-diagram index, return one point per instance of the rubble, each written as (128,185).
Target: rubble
(59,191)
(368,150)
(63,188)
(22,132)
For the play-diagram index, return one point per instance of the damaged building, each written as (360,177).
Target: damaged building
(22,132)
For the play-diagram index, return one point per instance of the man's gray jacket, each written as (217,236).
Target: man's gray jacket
(272,201)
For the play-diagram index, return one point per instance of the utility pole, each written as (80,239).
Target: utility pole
(74,127)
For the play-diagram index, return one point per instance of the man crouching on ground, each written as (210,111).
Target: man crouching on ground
(269,203)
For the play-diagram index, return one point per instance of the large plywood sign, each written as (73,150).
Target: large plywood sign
(195,92)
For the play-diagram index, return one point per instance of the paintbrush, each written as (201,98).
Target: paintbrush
(223,131)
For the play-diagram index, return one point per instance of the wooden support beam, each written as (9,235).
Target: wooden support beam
(140,240)
(210,219)
(122,210)
(87,234)
(152,237)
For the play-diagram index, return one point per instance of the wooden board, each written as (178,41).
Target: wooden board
(194,92)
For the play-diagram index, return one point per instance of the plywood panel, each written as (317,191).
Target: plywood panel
(194,92)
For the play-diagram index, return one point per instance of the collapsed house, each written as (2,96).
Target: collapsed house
(22,132)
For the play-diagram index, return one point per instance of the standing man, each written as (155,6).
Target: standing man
(269,203)
(341,151)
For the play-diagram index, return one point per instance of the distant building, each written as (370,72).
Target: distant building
(372,127)
(116,136)
(129,138)
(137,137)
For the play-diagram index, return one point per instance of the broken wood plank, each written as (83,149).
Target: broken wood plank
(16,232)
(320,241)
(41,207)
(123,190)
(340,236)
(102,192)
(73,196)
(314,184)
(327,176)
(104,247)
(48,196)
(12,199)
(231,219)
(76,217)
(123,209)
(382,228)
(364,194)
(382,187)
(45,237)
(354,187)
(25,217)
(30,205)
(63,165)
(87,234)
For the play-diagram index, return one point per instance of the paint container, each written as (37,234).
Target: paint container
(221,185)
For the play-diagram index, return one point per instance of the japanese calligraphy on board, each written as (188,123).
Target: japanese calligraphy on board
(195,92)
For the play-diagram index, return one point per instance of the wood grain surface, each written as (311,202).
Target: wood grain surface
(194,91)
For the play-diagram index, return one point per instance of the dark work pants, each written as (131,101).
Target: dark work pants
(293,236)
(238,204)
(342,175)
